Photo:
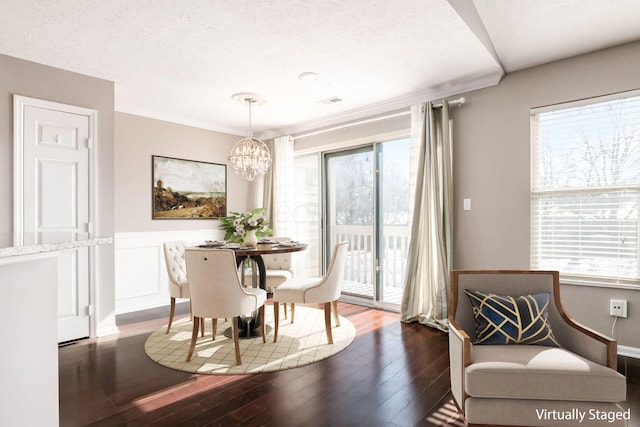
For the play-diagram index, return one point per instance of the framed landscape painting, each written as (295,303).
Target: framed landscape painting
(188,189)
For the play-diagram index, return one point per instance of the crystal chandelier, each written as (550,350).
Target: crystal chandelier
(250,157)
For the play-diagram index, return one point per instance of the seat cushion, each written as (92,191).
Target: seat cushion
(277,277)
(294,290)
(260,294)
(179,289)
(273,279)
(539,372)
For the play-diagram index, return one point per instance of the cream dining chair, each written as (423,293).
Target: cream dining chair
(278,268)
(310,290)
(216,291)
(177,272)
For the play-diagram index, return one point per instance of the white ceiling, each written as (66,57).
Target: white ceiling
(182,60)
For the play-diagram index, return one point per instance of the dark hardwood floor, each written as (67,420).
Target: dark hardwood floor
(394,374)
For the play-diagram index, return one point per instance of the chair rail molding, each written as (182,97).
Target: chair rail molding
(140,272)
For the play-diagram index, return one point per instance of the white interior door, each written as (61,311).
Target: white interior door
(56,143)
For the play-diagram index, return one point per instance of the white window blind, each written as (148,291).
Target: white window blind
(586,190)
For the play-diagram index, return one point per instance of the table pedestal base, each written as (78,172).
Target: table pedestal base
(242,332)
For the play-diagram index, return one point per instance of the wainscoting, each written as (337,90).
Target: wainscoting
(140,272)
(141,275)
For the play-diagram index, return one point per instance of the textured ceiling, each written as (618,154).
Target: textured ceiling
(526,33)
(182,60)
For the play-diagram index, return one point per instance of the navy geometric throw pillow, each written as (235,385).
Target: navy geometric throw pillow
(511,320)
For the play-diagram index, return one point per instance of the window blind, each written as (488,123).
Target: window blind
(586,190)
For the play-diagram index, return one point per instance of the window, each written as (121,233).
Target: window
(586,190)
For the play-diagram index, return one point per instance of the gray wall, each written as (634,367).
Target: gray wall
(491,166)
(491,156)
(137,138)
(39,81)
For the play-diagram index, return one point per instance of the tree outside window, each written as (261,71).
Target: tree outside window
(586,189)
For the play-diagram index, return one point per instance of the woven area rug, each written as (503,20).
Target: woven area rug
(299,344)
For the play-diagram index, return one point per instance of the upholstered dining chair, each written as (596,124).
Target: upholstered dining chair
(517,358)
(216,292)
(278,268)
(310,290)
(177,272)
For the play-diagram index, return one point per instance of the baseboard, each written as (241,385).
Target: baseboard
(107,331)
(129,305)
(626,351)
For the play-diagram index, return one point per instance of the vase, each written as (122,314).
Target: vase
(250,238)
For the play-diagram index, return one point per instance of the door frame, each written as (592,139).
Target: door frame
(20,102)
(373,146)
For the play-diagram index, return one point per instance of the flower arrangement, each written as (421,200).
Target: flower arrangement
(236,225)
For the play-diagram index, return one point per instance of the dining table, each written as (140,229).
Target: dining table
(250,327)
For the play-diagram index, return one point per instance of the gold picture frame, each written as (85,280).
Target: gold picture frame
(188,189)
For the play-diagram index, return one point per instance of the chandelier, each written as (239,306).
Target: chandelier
(250,157)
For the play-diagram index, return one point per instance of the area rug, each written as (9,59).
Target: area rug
(299,344)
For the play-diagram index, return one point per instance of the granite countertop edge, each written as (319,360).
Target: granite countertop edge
(52,247)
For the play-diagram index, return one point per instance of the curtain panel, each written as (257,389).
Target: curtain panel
(279,187)
(426,293)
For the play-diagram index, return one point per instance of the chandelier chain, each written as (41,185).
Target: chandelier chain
(250,101)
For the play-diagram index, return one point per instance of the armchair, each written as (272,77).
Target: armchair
(527,384)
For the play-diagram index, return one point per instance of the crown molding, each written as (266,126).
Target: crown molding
(451,89)
(431,94)
(172,118)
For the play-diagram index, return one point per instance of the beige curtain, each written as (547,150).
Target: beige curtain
(426,292)
(267,182)
(279,187)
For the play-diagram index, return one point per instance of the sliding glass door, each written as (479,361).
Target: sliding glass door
(349,215)
(367,204)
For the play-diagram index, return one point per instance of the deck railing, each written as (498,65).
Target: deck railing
(394,248)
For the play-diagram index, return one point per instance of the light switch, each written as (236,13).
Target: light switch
(467,204)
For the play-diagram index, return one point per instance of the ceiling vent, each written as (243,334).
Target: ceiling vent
(331,100)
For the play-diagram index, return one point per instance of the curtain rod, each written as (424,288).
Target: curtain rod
(454,102)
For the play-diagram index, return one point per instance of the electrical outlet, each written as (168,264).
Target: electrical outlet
(618,308)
